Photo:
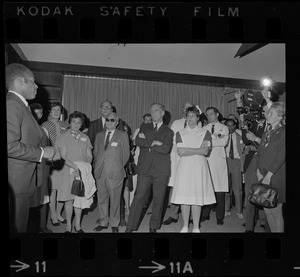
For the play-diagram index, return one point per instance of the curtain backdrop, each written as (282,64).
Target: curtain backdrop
(132,98)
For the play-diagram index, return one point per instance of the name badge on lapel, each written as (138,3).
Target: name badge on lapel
(115,144)
(83,139)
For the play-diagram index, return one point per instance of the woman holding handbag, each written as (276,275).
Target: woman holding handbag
(271,162)
(74,146)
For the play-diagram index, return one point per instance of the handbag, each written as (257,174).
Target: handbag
(78,186)
(263,195)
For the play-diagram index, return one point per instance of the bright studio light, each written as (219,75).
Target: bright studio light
(266,82)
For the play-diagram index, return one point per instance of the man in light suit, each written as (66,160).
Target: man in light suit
(111,153)
(24,138)
(154,167)
(217,164)
(234,151)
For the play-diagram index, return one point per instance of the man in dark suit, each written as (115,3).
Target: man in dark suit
(154,166)
(111,153)
(98,125)
(24,138)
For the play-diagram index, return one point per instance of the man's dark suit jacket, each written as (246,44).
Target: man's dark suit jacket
(24,137)
(257,131)
(154,160)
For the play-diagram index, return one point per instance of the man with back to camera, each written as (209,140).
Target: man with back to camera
(154,166)
(217,164)
(23,142)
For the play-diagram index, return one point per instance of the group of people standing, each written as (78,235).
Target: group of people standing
(201,159)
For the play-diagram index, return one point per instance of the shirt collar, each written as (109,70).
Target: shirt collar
(111,132)
(158,125)
(21,97)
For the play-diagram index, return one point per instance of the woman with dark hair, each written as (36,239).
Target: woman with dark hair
(55,128)
(74,147)
(40,199)
(193,185)
(271,162)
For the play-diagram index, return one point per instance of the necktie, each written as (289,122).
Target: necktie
(107,141)
(184,124)
(212,129)
(231,155)
(155,128)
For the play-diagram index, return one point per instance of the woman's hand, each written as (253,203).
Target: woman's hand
(76,171)
(259,175)
(181,151)
(267,179)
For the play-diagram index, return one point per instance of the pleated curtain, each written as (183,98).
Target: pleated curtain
(133,98)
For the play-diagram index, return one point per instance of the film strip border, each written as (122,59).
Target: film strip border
(165,254)
(150,22)
(159,22)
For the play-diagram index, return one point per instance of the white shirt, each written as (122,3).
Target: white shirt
(103,122)
(236,154)
(26,104)
(158,124)
(111,134)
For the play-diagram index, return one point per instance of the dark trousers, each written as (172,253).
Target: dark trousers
(220,209)
(22,205)
(235,184)
(145,183)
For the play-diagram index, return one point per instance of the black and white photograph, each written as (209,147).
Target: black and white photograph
(146,138)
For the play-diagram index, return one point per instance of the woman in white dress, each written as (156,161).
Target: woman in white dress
(193,186)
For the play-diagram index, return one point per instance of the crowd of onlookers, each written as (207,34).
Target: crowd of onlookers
(204,161)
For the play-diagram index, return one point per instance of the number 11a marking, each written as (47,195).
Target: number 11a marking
(38,266)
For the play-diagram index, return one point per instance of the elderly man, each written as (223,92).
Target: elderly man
(154,167)
(24,138)
(111,153)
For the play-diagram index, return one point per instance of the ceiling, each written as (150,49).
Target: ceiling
(199,59)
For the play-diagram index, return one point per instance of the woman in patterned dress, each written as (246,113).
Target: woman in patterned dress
(55,128)
(193,185)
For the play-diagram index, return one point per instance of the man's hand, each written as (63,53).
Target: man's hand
(141,135)
(49,152)
(156,142)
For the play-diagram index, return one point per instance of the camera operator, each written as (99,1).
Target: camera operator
(251,135)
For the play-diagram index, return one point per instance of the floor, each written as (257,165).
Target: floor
(231,224)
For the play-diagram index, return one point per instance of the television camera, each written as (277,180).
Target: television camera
(251,102)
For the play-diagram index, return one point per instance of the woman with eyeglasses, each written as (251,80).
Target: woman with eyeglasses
(74,146)
(271,162)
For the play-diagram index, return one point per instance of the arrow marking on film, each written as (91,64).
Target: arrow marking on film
(158,267)
(21,266)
